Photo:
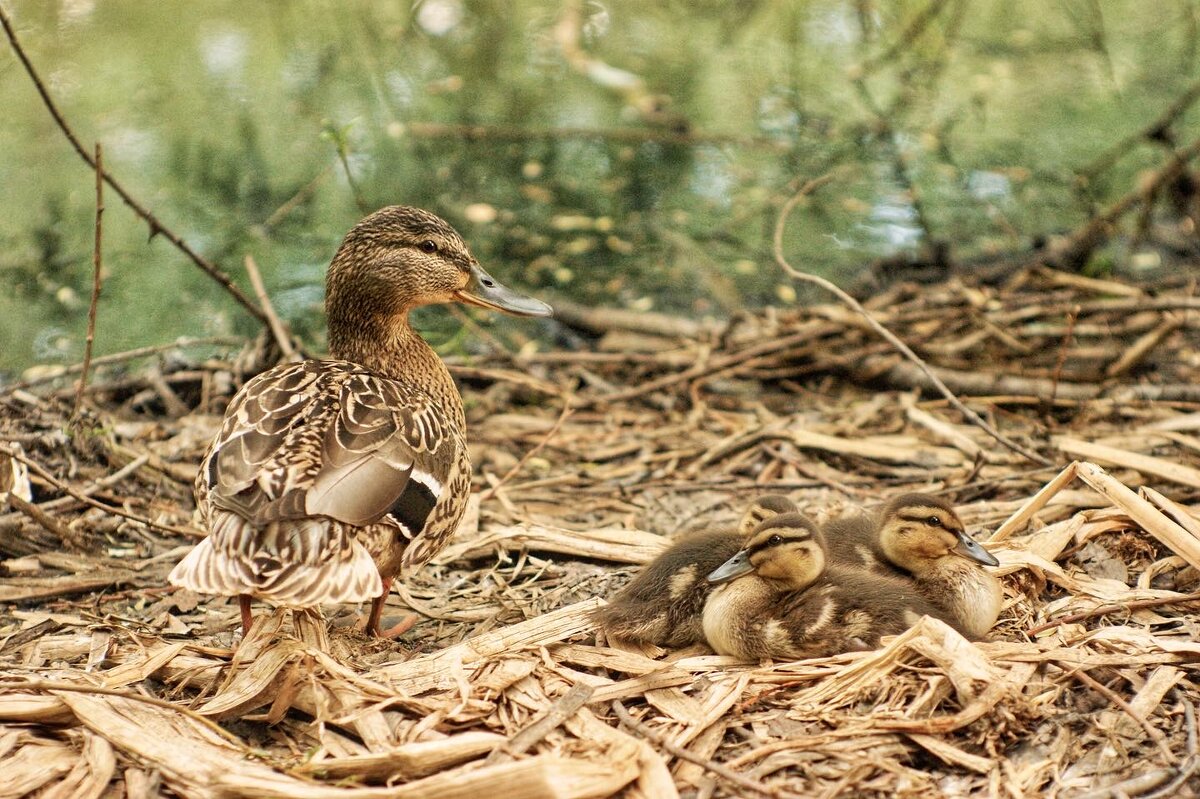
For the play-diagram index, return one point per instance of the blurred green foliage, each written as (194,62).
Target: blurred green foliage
(627,152)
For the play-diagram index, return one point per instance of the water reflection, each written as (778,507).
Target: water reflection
(672,130)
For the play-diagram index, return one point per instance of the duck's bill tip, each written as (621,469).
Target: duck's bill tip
(736,566)
(973,550)
(485,291)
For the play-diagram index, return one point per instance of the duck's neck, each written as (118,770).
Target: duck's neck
(388,346)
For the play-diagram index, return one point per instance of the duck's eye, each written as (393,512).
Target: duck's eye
(934,521)
(429,246)
(775,540)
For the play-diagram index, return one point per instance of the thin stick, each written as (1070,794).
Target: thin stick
(1112,696)
(84,498)
(156,227)
(1104,610)
(891,338)
(129,355)
(277,329)
(64,533)
(1156,130)
(1072,318)
(97,262)
(554,717)
(683,754)
(1191,762)
(562,417)
(912,31)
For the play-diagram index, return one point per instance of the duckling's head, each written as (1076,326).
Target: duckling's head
(399,258)
(917,530)
(762,508)
(787,550)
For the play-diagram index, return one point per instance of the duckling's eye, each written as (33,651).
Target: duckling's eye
(775,540)
(934,521)
(429,246)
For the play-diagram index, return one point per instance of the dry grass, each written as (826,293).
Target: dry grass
(113,684)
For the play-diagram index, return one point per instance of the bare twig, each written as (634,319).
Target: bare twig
(781,222)
(1112,696)
(553,718)
(724,773)
(278,330)
(63,532)
(1063,349)
(292,203)
(97,262)
(1072,252)
(1156,130)
(1104,610)
(156,227)
(58,373)
(1190,763)
(912,31)
(45,474)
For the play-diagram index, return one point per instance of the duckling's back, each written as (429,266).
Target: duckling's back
(846,609)
(663,602)
(853,540)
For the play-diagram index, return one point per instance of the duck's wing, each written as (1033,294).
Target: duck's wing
(322,440)
(325,439)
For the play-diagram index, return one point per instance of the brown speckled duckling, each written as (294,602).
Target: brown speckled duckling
(778,598)
(663,602)
(330,478)
(920,537)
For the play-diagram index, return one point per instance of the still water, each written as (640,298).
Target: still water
(607,151)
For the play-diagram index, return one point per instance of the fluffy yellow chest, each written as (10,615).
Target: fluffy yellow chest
(974,596)
(728,609)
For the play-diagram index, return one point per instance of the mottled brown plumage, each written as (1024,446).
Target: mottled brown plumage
(663,603)
(331,477)
(919,537)
(778,598)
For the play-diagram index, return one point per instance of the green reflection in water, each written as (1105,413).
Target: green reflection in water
(631,153)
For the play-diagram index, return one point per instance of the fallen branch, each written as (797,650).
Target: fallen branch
(807,189)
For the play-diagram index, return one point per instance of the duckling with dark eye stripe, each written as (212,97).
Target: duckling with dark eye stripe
(920,537)
(663,602)
(778,598)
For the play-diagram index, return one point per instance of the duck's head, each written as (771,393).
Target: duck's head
(399,258)
(787,550)
(917,530)
(762,508)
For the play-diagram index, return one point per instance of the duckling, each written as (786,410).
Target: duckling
(920,537)
(663,602)
(778,598)
(330,478)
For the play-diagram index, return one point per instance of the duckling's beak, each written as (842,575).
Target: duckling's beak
(971,549)
(736,566)
(485,291)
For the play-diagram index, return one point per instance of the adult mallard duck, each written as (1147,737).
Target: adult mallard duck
(663,602)
(330,478)
(920,537)
(779,598)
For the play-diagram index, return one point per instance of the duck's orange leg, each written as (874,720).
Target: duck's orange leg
(376,616)
(247,619)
